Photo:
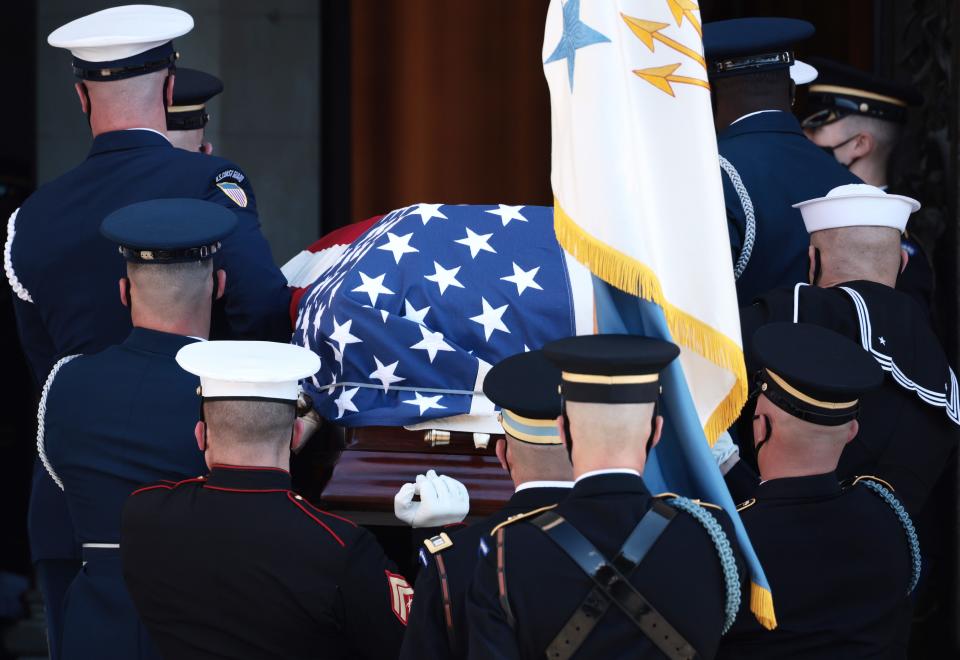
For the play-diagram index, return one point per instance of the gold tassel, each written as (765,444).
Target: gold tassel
(633,277)
(761,604)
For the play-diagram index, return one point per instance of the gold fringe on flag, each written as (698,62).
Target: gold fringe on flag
(633,277)
(761,604)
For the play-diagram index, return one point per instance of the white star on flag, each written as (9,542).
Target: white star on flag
(425,403)
(341,334)
(411,313)
(384,314)
(883,342)
(337,354)
(491,319)
(523,279)
(508,213)
(444,277)
(476,243)
(432,342)
(428,212)
(398,245)
(373,287)
(385,373)
(345,401)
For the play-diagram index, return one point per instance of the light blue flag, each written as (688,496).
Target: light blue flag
(681,462)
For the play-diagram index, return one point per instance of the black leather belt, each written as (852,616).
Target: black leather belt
(611,584)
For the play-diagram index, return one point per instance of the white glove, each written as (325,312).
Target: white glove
(443,500)
(725,452)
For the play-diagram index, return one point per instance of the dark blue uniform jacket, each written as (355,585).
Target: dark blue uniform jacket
(839,566)
(427,635)
(681,576)
(64,273)
(114,421)
(778,167)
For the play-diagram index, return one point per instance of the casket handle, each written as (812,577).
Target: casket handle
(437,438)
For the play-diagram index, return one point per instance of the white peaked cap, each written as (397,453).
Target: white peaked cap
(259,369)
(857,205)
(121,32)
(802,73)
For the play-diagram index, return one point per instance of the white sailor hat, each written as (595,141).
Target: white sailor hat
(122,42)
(802,73)
(857,205)
(242,370)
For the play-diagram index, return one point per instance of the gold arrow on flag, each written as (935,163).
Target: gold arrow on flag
(661,77)
(649,31)
(685,8)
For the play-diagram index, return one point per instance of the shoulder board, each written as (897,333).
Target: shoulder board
(438,543)
(746,505)
(869,477)
(520,516)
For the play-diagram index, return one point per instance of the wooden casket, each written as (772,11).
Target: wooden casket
(356,472)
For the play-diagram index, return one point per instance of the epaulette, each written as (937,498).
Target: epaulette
(438,543)
(664,496)
(520,516)
(746,505)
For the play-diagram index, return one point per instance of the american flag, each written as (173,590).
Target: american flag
(410,317)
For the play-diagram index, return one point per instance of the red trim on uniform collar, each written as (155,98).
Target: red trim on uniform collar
(246,490)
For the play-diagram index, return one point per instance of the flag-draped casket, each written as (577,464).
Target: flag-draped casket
(407,319)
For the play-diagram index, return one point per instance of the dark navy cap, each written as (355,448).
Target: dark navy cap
(842,90)
(526,388)
(191,91)
(813,373)
(165,231)
(750,45)
(611,368)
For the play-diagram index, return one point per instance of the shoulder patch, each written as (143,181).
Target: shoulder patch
(236,194)
(401,596)
(438,543)
(520,516)
(746,505)
(230,181)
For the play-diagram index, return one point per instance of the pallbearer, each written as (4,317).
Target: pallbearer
(187,117)
(114,420)
(613,570)
(524,386)
(235,563)
(842,559)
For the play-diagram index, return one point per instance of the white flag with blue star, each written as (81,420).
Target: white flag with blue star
(638,200)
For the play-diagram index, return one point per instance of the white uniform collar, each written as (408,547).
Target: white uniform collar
(152,130)
(543,484)
(751,114)
(596,473)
